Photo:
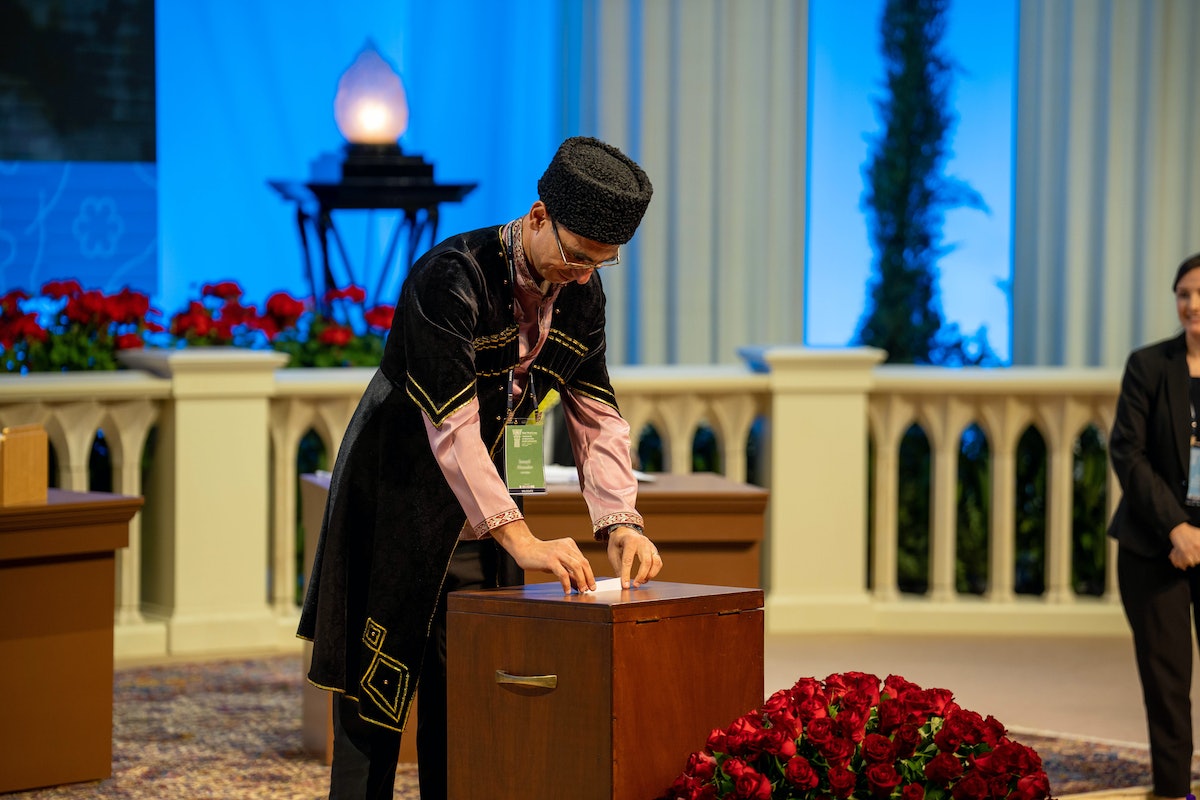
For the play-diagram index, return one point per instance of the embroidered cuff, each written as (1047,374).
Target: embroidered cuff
(495,521)
(602,527)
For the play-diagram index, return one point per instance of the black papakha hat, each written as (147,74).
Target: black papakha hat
(595,191)
(1190,263)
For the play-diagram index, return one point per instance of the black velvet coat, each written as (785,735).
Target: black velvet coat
(391,520)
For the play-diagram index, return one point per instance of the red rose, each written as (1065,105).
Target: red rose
(971,787)
(836,685)
(745,736)
(898,687)
(336,335)
(807,689)
(813,708)
(777,742)
(820,731)
(799,773)
(58,289)
(224,290)
(716,741)
(906,739)
(892,714)
(837,750)
(992,731)
(912,791)
(87,307)
(733,767)
(943,768)
(380,317)
(997,786)
(701,765)
(882,779)
(10,303)
(841,781)
(237,314)
(781,712)
(949,737)
(877,748)
(752,785)
(852,722)
(688,788)
(284,308)
(354,294)
(23,328)
(1033,787)
(928,703)
(865,684)
(128,306)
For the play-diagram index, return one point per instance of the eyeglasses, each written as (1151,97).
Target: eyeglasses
(577,265)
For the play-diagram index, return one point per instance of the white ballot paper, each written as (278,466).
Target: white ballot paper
(606,585)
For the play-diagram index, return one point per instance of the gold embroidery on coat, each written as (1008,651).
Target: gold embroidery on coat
(386,679)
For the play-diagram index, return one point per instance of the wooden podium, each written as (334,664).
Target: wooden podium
(708,528)
(57,589)
(595,697)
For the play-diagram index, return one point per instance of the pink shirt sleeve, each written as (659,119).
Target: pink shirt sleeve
(601,444)
(460,452)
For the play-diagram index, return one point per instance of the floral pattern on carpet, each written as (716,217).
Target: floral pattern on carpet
(230,730)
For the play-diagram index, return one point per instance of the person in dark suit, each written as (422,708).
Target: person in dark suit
(1155,452)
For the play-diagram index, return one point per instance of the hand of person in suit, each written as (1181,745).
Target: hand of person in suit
(1186,541)
(560,557)
(624,544)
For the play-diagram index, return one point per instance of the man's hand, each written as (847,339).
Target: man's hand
(626,543)
(560,557)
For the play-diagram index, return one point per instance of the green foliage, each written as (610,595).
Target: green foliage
(1031,513)
(908,193)
(974,507)
(1089,513)
(913,513)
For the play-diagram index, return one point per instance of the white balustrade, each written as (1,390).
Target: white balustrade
(211,564)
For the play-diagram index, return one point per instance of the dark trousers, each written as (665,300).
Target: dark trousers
(364,755)
(1159,601)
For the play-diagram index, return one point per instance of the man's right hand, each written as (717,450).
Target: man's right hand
(562,558)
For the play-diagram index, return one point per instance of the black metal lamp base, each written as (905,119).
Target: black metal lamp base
(385,161)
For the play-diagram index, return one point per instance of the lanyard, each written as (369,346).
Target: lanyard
(510,258)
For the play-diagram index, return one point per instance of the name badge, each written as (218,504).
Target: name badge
(524,458)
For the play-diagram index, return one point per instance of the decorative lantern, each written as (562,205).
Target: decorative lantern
(371,106)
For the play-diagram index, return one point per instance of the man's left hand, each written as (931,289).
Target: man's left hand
(625,544)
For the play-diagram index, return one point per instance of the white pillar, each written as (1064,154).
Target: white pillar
(206,559)
(817,515)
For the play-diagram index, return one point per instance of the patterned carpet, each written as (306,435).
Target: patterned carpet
(231,731)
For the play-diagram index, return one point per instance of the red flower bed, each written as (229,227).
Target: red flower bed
(853,736)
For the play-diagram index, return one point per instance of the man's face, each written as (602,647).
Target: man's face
(561,256)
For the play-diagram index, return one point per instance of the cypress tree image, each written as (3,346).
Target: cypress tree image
(908,192)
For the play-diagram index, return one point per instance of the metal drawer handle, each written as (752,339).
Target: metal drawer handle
(540,681)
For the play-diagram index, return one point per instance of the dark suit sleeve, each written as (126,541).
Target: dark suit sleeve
(1138,442)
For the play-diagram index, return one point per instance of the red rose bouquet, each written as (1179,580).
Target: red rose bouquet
(850,736)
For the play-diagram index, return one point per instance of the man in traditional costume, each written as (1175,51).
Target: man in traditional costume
(487,324)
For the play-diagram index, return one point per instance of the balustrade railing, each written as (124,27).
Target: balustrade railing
(809,420)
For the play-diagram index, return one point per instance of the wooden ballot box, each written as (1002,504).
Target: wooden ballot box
(57,591)
(600,696)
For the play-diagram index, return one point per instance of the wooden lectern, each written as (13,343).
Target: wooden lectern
(594,697)
(57,589)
